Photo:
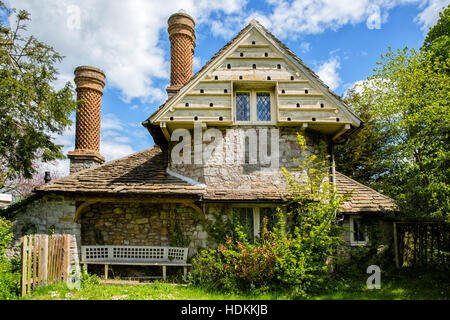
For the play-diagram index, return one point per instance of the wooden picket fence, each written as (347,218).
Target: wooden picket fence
(45,260)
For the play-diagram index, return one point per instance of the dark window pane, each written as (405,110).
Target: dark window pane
(358,230)
(243,106)
(270,214)
(246,219)
(263,106)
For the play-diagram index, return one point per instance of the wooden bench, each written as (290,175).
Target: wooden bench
(135,256)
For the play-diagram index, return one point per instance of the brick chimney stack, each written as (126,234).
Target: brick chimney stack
(90,82)
(182,43)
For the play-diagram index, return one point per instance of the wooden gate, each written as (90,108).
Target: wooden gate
(45,260)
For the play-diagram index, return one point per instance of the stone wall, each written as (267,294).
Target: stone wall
(224,169)
(50,214)
(142,224)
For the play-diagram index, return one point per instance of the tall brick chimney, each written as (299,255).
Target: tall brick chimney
(182,43)
(90,82)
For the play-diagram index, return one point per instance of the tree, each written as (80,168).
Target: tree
(409,93)
(366,157)
(437,41)
(31,109)
(21,187)
(403,150)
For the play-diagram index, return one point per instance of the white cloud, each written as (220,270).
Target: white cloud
(305,46)
(113,150)
(328,72)
(124,37)
(291,19)
(429,16)
(120,37)
(111,122)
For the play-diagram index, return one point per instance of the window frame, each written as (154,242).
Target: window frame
(253,107)
(353,242)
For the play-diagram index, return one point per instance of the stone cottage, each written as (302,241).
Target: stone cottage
(247,102)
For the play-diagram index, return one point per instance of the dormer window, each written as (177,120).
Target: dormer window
(254,106)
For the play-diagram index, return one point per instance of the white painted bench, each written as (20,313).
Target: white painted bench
(135,256)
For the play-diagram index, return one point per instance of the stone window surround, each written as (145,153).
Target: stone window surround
(253,111)
(353,242)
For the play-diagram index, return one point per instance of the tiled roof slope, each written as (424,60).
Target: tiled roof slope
(140,173)
(145,173)
(363,199)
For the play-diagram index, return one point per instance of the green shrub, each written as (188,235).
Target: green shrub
(9,268)
(89,280)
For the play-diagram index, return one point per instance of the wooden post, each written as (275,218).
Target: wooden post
(45,259)
(66,256)
(50,258)
(106,272)
(35,251)
(397,264)
(24,265)
(185,273)
(30,246)
(60,259)
(41,260)
(164,269)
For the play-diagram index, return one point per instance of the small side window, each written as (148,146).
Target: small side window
(358,236)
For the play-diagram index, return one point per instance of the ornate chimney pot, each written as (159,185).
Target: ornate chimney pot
(89,82)
(182,43)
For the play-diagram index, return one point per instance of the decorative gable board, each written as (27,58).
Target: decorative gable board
(253,60)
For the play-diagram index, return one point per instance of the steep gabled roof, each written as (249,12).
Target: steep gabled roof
(281,46)
(144,173)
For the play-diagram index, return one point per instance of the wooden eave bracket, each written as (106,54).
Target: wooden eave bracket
(341,132)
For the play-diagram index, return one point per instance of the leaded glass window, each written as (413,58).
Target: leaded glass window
(263,106)
(243,106)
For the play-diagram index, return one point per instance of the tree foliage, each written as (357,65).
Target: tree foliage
(437,41)
(31,109)
(367,156)
(409,102)
(404,149)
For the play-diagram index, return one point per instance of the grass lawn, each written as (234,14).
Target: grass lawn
(406,285)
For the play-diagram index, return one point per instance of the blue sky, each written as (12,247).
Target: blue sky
(339,39)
